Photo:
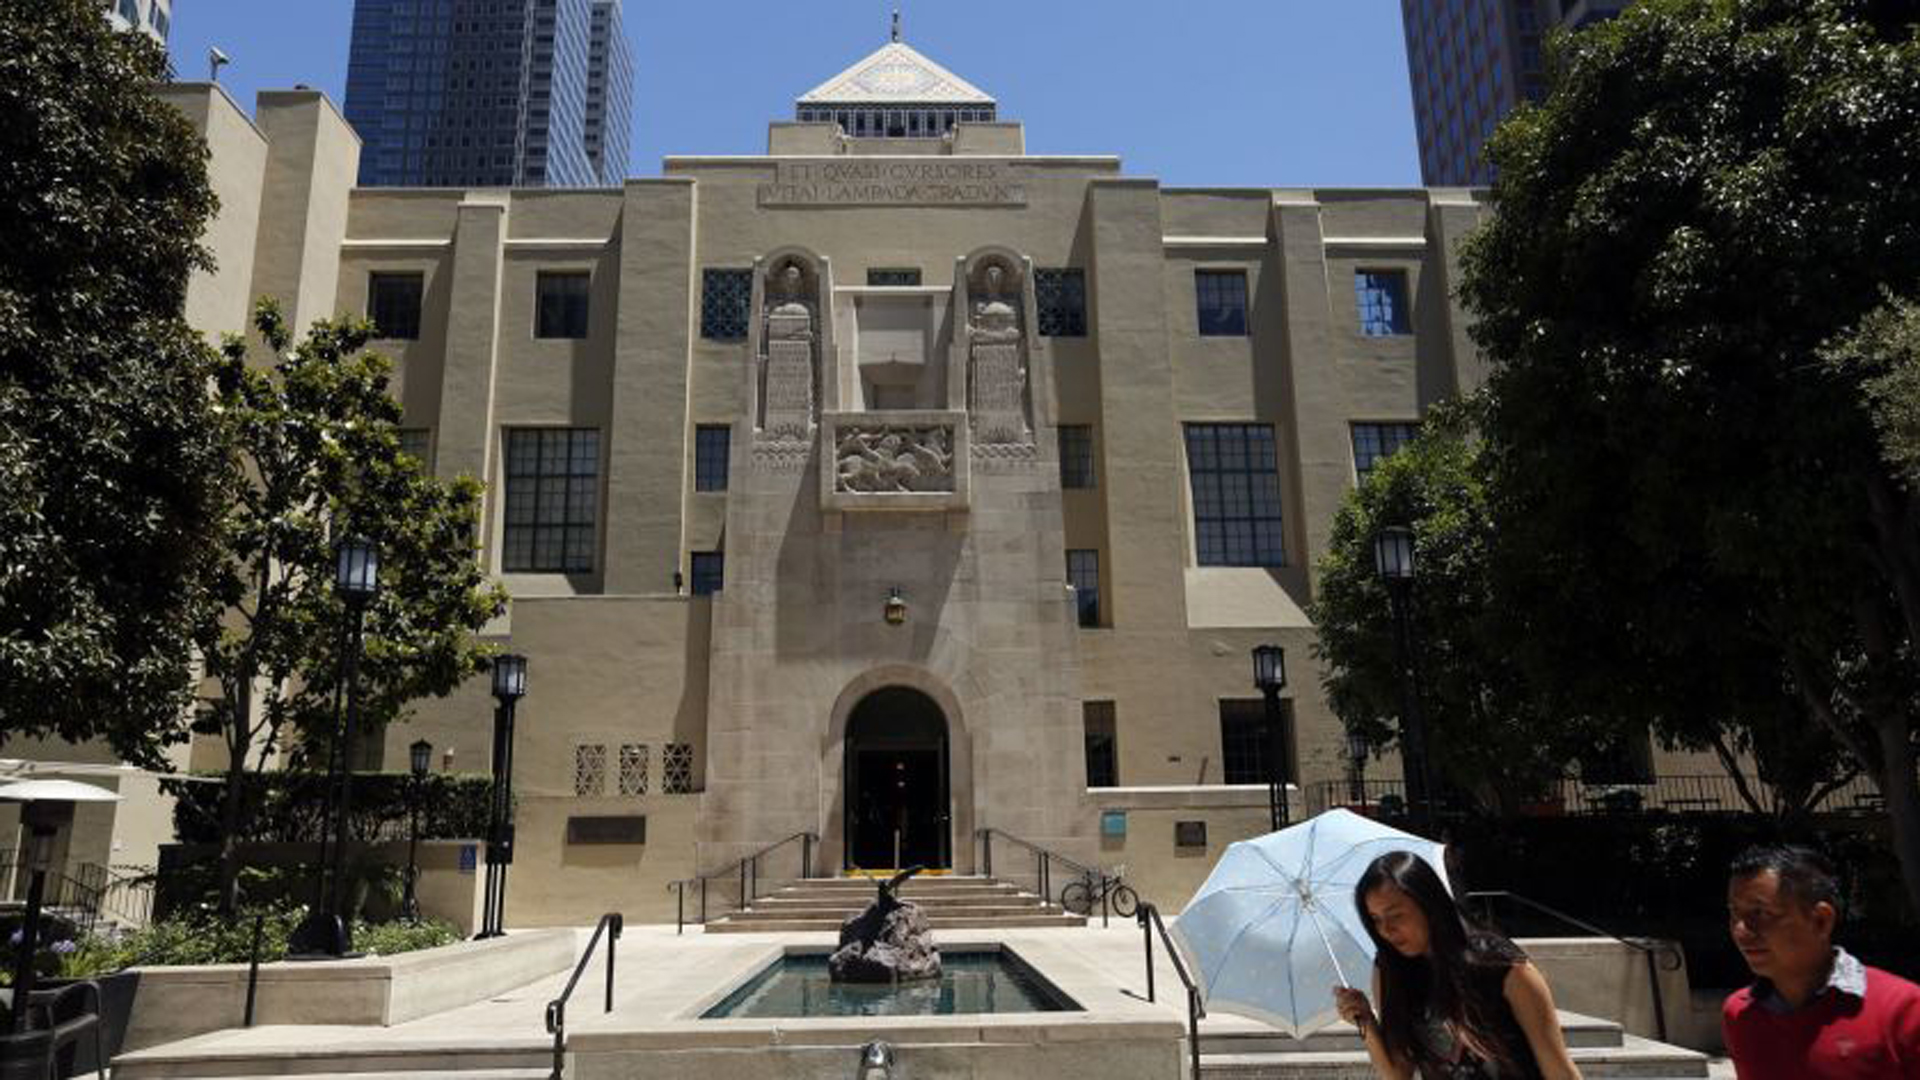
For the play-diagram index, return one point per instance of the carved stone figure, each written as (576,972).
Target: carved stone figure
(997,391)
(789,360)
(893,458)
(889,942)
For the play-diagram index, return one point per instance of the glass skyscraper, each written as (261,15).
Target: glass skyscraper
(1470,63)
(495,93)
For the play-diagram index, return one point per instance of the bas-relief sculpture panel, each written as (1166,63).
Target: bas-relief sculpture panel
(885,457)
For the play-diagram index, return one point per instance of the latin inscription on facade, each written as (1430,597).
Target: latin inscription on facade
(916,182)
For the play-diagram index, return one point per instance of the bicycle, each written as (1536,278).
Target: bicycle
(1084,897)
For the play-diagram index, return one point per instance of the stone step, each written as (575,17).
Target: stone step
(1232,1035)
(839,914)
(522,1060)
(750,924)
(914,885)
(856,903)
(1637,1058)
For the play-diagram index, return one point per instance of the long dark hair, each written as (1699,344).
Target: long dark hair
(1451,982)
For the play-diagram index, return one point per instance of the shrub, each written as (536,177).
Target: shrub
(290,807)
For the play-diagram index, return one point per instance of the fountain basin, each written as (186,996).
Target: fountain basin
(983,981)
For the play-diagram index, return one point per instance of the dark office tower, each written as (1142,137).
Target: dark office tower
(461,93)
(609,93)
(1471,62)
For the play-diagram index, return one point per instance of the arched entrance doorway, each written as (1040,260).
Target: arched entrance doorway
(897,789)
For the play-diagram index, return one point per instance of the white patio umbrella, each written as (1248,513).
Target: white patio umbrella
(1274,929)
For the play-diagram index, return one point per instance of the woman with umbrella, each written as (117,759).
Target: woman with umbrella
(1456,1003)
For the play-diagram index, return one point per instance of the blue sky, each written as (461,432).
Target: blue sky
(1257,93)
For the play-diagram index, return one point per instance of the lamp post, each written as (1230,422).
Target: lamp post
(1270,675)
(1357,749)
(420,756)
(1393,561)
(325,932)
(509,686)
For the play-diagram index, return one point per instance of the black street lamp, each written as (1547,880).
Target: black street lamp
(325,932)
(1393,561)
(420,756)
(1357,750)
(1270,675)
(509,686)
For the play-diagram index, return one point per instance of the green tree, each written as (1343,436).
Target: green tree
(1488,734)
(108,452)
(317,457)
(1682,488)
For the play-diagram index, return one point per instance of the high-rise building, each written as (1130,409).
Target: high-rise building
(151,17)
(1470,63)
(490,92)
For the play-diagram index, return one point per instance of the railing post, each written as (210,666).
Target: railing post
(1146,914)
(1193,1028)
(253,966)
(986,837)
(679,907)
(703,901)
(613,936)
(1659,1006)
(743,884)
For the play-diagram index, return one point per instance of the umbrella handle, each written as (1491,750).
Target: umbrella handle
(1315,916)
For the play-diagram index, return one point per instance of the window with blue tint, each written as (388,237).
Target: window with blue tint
(725,297)
(1374,443)
(552,500)
(711,442)
(1245,743)
(1062,297)
(561,304)
(1236,495)
(1083,573)
(709,572)
(393,304)
(1221,298)
(417,443)
(1076,456)
(1381,296)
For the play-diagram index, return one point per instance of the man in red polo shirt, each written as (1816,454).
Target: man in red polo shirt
(1814,1012)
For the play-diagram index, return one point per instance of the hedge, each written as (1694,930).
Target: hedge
(290,807)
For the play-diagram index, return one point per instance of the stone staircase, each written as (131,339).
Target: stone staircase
(1235,1049)
(951,902)
(333,1058)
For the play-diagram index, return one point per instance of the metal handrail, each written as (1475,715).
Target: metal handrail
(1149,917)
(1043,866)
(1660,955)
(748,871)
(610,924)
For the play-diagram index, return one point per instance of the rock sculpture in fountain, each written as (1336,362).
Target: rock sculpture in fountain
(889,942)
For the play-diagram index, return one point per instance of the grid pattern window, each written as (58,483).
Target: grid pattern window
(676,769)
(1083,573)
(711,445)
(1103,764)
(1236,495)
(553,492)
(709,572)
(1076,456)
(1062,296)
(893,276)
(725,297)
(393,303)
(633,768)
(561,304)
(590,770)
(1381,297)
(1374,443)
(417,443)
(1221,298)
(1244,743)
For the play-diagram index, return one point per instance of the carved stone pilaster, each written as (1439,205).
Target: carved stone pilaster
(997,364)
(789,410)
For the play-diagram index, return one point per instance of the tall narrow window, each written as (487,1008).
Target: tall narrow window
(1374,443)
(1062,297)
(1221,296)
(553,492)
(393,303)
(1236,495)
(894,277)
(1076,456)
(725,297)
(561,304)
(1083,573)
(417,443)
(1381,296)
(709,572)
(1244,741)
(1103,766)
(711,443)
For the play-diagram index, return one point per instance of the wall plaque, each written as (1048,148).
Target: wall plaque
(894,182)
(625,829)
(1189,834)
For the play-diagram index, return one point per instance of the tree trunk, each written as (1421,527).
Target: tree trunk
(231,806)
(1901,790)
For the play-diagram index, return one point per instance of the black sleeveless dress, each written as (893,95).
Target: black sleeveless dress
(1446,1059)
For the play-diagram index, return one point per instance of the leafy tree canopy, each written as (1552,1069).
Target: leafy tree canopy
(108,453)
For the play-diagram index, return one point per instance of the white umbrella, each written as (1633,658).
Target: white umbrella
(55,791)
(1274,928)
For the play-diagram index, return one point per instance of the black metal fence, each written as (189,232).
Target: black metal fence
(88,896)
(1704,794)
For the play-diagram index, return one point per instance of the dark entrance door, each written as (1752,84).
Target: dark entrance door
(896,793)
